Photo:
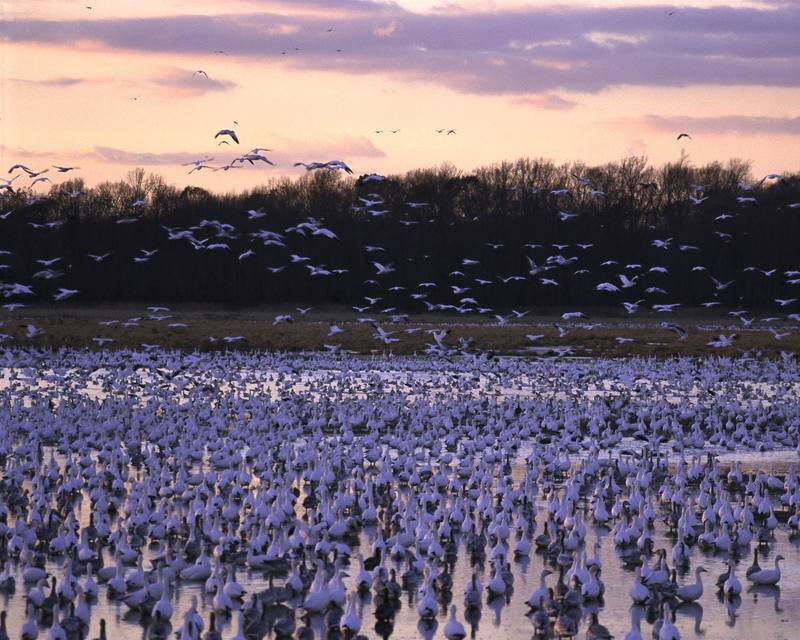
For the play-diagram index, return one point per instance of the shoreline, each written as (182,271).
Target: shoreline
(194,326)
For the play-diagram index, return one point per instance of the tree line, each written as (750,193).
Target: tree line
(509,220)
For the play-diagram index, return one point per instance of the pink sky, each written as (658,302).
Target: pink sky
(113,87)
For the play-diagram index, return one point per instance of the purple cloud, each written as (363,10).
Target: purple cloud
(120,156)
(191,83)
(291,151)
(549,101)
(725,124)
(49,82)
(530,51)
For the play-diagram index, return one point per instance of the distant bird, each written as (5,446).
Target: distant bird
(682,333)
(721,286)
(63,294)
(228,132)
(333,330)
(201,73)
(197,163)
(683,135)
(607,286)
(723,341)
(64,169)
(383,269)
(31,331)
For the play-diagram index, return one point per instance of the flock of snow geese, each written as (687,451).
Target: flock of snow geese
(251,495)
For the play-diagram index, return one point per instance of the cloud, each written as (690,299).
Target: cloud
(287,153)
(121,156)
(748,125)
(49,82)
(549,101)
(520,51)
(337,149)
(187,83)
(389,30)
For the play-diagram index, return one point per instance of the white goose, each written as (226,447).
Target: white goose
(768,576)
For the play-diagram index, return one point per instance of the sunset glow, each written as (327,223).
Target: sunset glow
(116,86)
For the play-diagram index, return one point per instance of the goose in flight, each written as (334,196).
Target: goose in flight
(338,164)
(721,286)
(333,330)
(723,341)
(27,170)
(661,244)
(63,294)
(7,182)
(666,308)
(252,158)
(632,307)
(61,169)
(331,165)
(683,135)
(627,283)
(775,176)
(677,329)
(50,262)
(227,132)
(197,162)
(201,166)
(31,331)
(200,72)
(383,269)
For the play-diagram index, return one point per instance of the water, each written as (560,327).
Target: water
(80,396)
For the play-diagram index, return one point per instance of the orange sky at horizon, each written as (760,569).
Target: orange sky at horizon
(109,108)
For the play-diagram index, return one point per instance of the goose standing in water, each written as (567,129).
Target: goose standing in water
(692,592)
(731,587)
(768,576)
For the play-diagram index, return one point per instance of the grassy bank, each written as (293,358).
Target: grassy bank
(133,326)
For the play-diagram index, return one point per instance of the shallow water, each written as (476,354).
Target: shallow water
(760,612)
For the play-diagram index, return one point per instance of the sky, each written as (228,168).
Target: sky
(110,85)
